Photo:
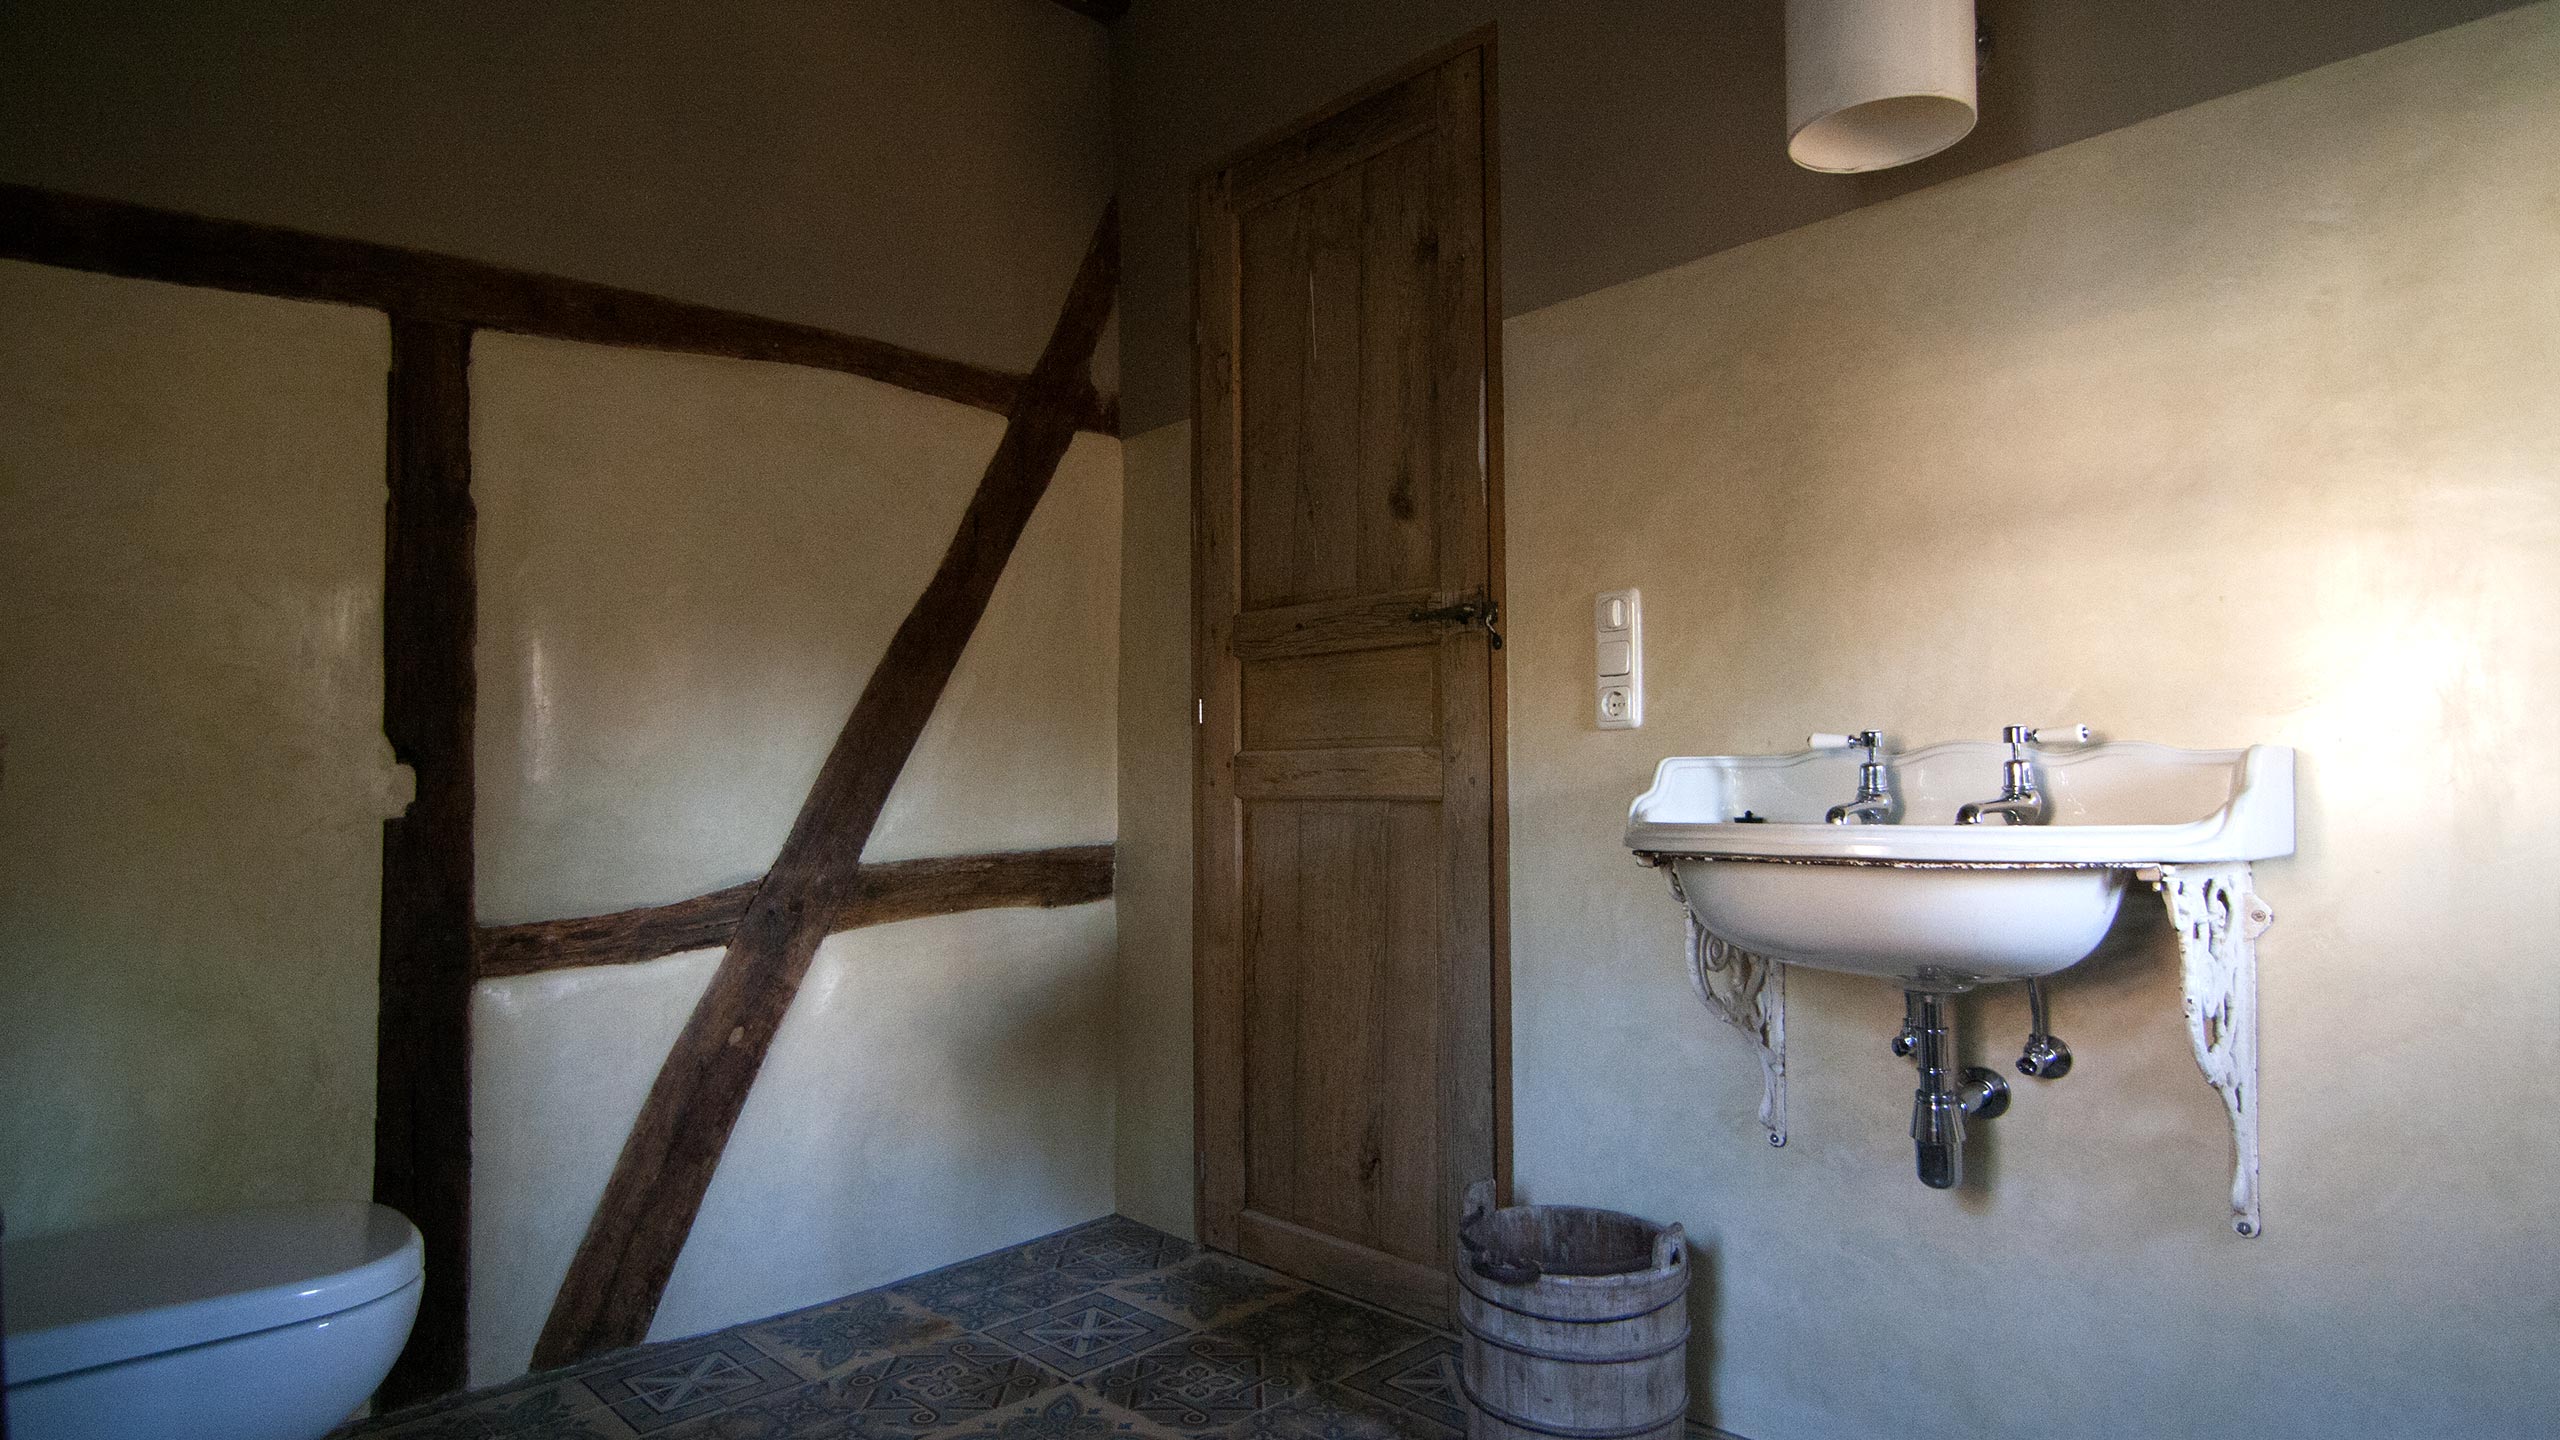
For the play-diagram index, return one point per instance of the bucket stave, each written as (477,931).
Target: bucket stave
(1575,1323)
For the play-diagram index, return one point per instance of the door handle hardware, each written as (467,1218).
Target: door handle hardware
(1465,612)
(1487,613)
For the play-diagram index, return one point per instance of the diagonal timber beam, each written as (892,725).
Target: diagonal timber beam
(882,894)
(621,1268)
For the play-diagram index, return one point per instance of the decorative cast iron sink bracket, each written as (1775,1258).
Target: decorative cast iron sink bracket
(1750,992)
(2219,918)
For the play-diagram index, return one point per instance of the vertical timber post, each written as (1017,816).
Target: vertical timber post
(422,1107)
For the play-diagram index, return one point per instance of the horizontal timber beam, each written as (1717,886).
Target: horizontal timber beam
(882,894)
(48,227)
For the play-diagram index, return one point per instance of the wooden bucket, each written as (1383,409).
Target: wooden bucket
(1576,1322)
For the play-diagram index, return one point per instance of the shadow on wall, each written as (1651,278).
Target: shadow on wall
(1012,1067)
(2135,966)
(1706,1267)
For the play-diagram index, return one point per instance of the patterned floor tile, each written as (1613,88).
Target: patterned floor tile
(1323,1337)
(943,1384)
(1423,1379)
(1067,1413)
(1196,1385)
(1206,1288)
(826,1338)
(1112,1248)
(820,1410)
(564,1408)
(994,1288)
(1086,1333)
(666,1385)
(437,1422)
(1329,1413)
(544,1404)
(987,1350)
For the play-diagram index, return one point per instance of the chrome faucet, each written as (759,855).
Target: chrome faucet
(1876,803)
(2022,800)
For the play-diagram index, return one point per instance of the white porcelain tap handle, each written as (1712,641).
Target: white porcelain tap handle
(2059,735)
(1825,740)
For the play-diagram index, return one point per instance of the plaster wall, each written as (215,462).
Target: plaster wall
(1152,1144)
(688,569)
(2234,425)
(193,777)
(926,174)
(1641,134)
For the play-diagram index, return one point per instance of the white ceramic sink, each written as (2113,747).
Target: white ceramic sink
(1930,903)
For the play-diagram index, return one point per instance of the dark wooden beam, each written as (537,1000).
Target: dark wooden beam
(882,895)
(621,1268)
(422,1100)
(1105,11)
(136,241)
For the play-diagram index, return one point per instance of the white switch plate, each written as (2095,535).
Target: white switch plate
(1617,656)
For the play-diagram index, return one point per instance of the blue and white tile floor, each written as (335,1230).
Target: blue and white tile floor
(1109,1331)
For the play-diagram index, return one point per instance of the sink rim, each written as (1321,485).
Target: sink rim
(2256,823)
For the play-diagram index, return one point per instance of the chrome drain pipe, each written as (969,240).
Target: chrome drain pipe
(1947,1096)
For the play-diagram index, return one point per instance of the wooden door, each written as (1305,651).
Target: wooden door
(1345,599)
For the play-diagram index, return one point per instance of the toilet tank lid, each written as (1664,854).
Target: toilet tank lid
(82,1298)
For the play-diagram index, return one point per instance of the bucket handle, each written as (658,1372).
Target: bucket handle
(1471,1240)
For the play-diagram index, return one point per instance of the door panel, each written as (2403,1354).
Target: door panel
(1336,343)
(1366,772)
(1342,943)
(1399,249)
(1351,697)
(1346,942)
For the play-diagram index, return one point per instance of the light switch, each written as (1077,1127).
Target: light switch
(1617,649)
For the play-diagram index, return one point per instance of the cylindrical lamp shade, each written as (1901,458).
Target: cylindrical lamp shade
(1876,83)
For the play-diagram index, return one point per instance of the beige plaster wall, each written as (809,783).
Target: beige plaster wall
(688,569)
(192,772)
(1152,1146)
(927,174)
(2235,425)
(1641,134)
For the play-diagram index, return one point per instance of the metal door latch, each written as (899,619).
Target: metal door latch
(1466,612)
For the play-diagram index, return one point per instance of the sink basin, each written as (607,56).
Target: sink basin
(1932,904)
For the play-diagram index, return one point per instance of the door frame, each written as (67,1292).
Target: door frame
(1211,272)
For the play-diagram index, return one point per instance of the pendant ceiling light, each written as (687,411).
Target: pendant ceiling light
(1872,84)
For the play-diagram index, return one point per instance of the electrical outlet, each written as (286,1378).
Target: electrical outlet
(1617,655)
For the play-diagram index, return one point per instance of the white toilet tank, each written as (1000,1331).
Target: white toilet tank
(270,1324)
